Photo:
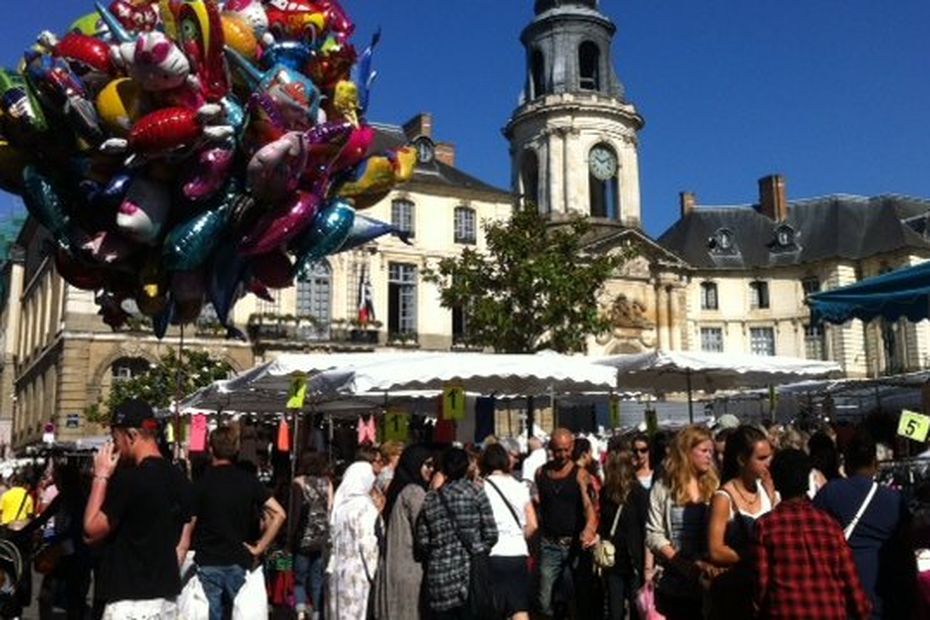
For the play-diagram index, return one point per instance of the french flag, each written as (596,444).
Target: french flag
(366,302)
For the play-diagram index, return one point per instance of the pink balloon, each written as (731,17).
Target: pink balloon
(355,149)
(275,229)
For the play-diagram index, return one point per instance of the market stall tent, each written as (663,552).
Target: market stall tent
(891,296)
(685,371)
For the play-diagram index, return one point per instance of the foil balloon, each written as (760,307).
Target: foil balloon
(154,61)
(292,54)
(142,213)
(170,129)
(120,104)
(277,228)
(45,203)
(272,269)
(252,12)
(88,57)
(297,97)
(12,163)
(190,244)
(376,181)
(108,248)
(200,33)
(225,282)
(22,115)
(355,149)
(326,234)
(152,294)
(209,174)
(275,170)
(61,90)
(187,291)
(91,25)
(294,19)
(239,35)
(135,15)
(77,274)
(366,229)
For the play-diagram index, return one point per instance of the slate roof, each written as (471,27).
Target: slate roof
(839,226)
(434,173)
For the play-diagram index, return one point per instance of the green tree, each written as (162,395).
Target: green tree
(158,385)
(535,288)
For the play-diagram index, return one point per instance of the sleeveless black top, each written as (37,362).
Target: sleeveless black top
(561,509)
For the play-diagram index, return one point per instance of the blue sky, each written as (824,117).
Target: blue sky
(834,94)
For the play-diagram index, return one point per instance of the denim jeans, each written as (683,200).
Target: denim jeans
(220,585)
(621,589)
(555,570)
(308,578)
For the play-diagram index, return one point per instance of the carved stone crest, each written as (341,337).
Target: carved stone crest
(628,314)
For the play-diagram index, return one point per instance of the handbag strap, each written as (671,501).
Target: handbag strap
(506,502)
(613,528)
(848,532)
(455,523)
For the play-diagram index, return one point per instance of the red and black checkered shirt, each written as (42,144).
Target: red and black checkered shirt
(804,568)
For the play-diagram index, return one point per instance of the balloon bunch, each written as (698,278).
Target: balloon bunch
(183,152)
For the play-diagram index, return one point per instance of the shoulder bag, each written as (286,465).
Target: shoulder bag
(480,603)
(605,554)
(506,502)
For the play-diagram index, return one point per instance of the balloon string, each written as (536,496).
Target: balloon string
(177,397)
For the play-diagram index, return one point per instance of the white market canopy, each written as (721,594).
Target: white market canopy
(359,380)
(680,371)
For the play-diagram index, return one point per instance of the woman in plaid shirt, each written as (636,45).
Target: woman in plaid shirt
(446,560)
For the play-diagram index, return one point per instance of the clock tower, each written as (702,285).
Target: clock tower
(573,141)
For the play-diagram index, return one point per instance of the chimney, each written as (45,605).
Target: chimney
(687,201)
(419,125)
(445,152)
(773,202)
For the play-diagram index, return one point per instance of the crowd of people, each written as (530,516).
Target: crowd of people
(735,522)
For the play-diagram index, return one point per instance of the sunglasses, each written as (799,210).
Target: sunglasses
(641,450)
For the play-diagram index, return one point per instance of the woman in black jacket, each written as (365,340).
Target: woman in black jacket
(622,493)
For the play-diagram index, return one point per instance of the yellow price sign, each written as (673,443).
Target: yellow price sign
(453,402)
(298,391)
(914,425)
(614,411)
(396,425)
(652,421)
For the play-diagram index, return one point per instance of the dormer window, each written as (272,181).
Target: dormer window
(722,241)
(784,236)
(426,149)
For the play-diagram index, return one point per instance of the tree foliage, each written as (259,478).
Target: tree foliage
(158,385)
(535,288)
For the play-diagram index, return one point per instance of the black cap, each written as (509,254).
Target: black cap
(134,413)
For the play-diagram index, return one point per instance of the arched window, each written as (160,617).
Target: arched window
(537,74)
(589,65)
(529,175)
(314,301)
(604,190)
(128,367)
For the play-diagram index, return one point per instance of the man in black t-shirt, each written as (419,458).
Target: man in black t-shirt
(138,511)
(227,501)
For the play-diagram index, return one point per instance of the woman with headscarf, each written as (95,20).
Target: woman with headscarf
(400,576)
(354,545)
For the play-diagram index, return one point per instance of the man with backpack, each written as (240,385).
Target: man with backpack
(227,502)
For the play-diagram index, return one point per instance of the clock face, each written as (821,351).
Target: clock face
(603,163)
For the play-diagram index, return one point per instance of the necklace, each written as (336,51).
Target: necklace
(749,502)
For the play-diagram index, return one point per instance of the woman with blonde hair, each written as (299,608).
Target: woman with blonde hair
(676,527)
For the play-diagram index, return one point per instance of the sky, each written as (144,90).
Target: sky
(833,94)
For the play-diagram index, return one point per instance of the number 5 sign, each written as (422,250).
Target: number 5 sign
(914,425)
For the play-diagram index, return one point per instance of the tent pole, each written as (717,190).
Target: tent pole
(530,417)
(690,397)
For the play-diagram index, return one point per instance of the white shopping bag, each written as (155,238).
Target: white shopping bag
(252,600)
(192,602)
